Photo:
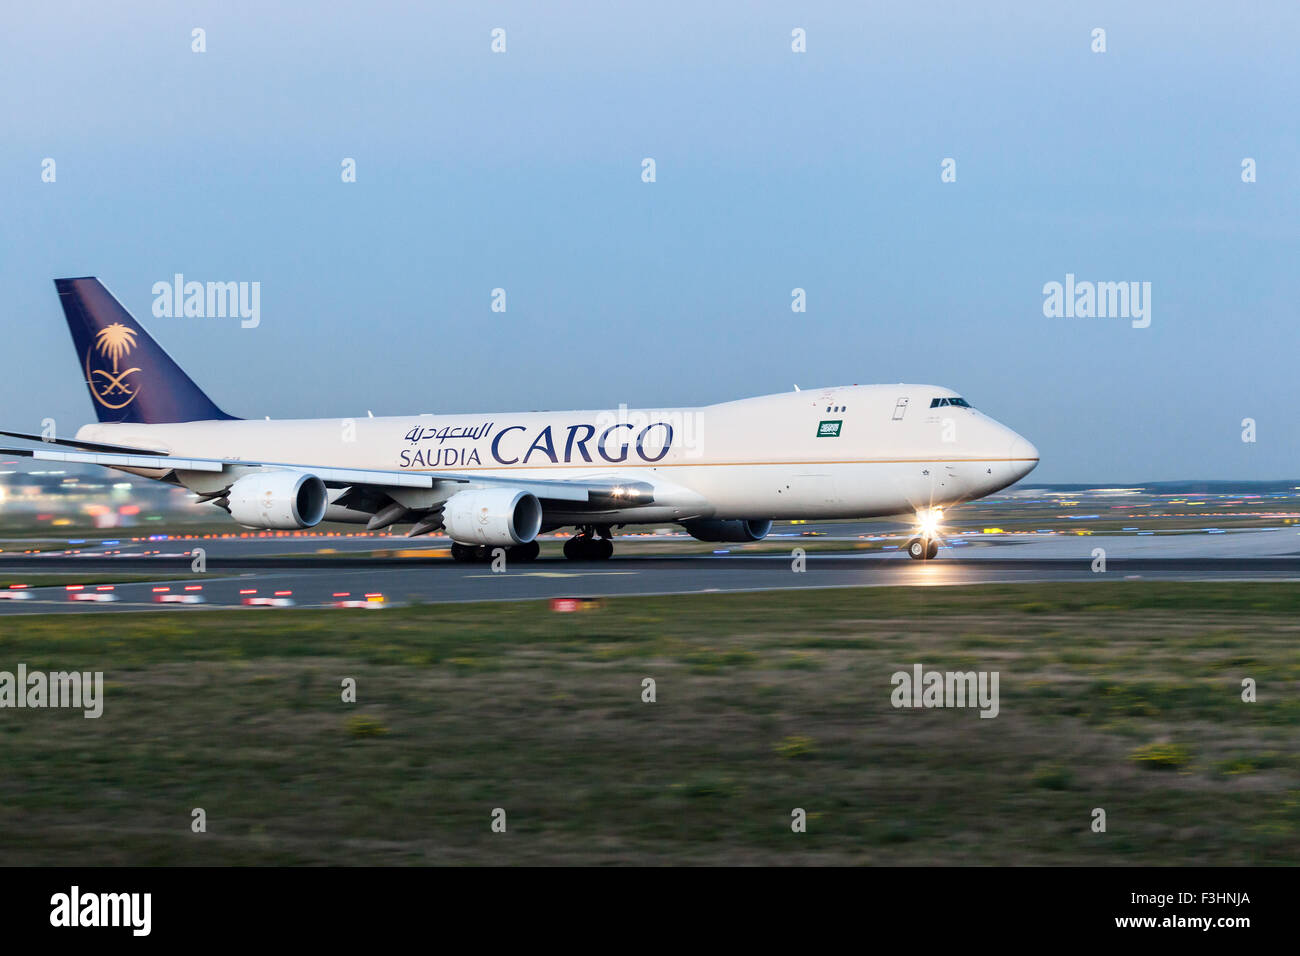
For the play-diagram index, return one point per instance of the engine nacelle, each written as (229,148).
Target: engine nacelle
(278,500)
(740,529)
(497,516)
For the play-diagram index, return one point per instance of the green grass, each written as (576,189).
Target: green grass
(1121,695)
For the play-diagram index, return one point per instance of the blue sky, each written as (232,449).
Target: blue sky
(775,170)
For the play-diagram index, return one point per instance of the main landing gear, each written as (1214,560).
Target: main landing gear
(591,543)
(585,546)
(482,553)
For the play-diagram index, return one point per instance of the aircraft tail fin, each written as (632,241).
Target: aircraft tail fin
(130,376)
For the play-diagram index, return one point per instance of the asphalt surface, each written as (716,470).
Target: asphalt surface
(293,571)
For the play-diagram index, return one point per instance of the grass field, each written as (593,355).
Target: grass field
(1120,695)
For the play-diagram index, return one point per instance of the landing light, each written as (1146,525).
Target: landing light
(928,521)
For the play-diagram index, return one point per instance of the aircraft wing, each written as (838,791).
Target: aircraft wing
(83,445)
(597,491)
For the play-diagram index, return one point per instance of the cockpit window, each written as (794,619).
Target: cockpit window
(941,402)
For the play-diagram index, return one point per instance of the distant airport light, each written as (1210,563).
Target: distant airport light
(569,605)
(371,604)
(96,596)
(179,598)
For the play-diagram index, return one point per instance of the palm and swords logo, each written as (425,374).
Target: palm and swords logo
(111,388)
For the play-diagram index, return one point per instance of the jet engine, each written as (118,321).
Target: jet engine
(493,516)
(740,529)
(278,500)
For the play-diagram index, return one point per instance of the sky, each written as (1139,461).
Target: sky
(774,171)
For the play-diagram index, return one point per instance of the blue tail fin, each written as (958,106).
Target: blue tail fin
(130,377)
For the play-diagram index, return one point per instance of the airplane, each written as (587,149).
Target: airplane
(723,472)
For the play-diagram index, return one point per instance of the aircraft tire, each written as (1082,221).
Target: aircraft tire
(524,552)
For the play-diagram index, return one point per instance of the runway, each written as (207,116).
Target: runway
(310,579)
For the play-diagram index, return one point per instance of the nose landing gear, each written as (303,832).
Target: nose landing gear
(922,549)
(925,546)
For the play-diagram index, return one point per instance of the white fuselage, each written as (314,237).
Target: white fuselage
(853,451)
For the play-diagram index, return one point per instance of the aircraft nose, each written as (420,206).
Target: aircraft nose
(1023,455)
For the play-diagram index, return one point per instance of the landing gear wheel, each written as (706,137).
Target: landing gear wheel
(919,549)
(584,547)
(524,552)
(471,553)
(932,551)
